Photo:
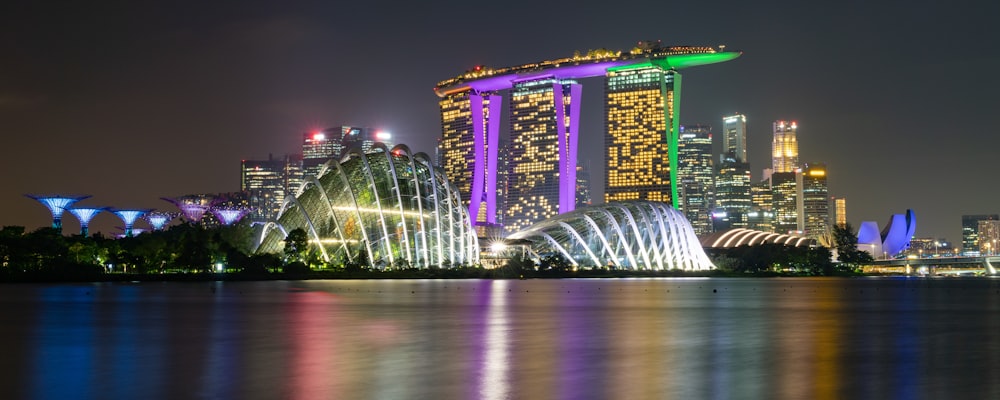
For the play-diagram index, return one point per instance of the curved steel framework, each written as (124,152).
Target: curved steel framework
(390,207)
(747,237)
(629,235)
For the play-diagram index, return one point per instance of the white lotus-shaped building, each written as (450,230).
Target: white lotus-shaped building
(384,208)
(625,235)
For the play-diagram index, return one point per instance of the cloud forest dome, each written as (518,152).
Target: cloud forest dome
(386,208)
(629,235)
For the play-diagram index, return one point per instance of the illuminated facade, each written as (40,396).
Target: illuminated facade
(785,191)
(641,141)
(892,240)
(85,215)
(970,231)
(128,217)
(840,211)
(267,182)
(319,147)
(541,169)
(583,198)
(761,216)
(732,195)
(785,147)
(696,174)
(734,137)
(989,237)
(624,235)
(469,149)
(56,204)
(815,200)
(385,208)
(470,108)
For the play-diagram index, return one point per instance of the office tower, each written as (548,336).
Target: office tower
(989,237)
(641,138)
(318,148)
(469,154)
(734,137)
(267,183)
(785,189)
(362,139)
(840,211)
(761,216)
(785,147)
(970,231)
(815,200)
(541,180)
(583,198)
(732,194)
(696,174)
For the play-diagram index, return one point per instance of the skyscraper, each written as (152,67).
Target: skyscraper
(970,231)
(734,137)
(641,139)
(318,147)
(761,216)
(785,147)
(267,183)
(541,180)
(732,193)
(784,188)
(840,211)
(815,200)
(469,153)
(696,173)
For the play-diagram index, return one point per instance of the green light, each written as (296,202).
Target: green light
(679,61)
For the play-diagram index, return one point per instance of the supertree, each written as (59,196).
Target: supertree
(193,207)
(159,219)
(56,204)
(84,215)
(230,215)
(128,216)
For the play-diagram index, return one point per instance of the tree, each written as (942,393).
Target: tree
(296,244)
(847,246)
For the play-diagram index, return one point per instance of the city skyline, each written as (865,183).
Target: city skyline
(130,105)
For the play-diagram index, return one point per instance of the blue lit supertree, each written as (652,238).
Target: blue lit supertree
(129,216)
(84,215)
(159,219)
(56,204)
(193,207)
(230,215)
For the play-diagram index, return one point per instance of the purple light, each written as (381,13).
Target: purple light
(193,207)
(128,217)
(56,205)
(84,215)
(478,148)
(492,146)
(507,81)
(228,216)
(567,144)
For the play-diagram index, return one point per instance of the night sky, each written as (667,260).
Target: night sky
(129,101)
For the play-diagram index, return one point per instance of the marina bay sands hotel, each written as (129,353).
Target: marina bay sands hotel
(532,174)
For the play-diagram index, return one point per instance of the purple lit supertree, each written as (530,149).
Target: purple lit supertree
(159,219)
(129,217)
(56,204)
(84,215)
(230,215)
(135,231)
(193,207)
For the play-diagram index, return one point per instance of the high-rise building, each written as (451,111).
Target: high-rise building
(734,137)
(840,211)
(815,200)
(970,231)
(785,147)
(732,194)
(696,175)
(541,180)
(583,198)
(785,189)
(469,154)
(267,183)
(362,138)
(641,138)
(761,216)
(989,237)
(333,143)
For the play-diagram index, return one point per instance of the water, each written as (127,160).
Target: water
(535,339)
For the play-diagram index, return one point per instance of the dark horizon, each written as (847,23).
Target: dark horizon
(135,101)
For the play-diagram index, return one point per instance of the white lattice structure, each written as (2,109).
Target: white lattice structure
(627,235)
(390,207)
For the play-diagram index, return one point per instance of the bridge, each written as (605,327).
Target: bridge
(938,265)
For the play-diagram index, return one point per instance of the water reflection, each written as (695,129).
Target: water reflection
(566,339)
